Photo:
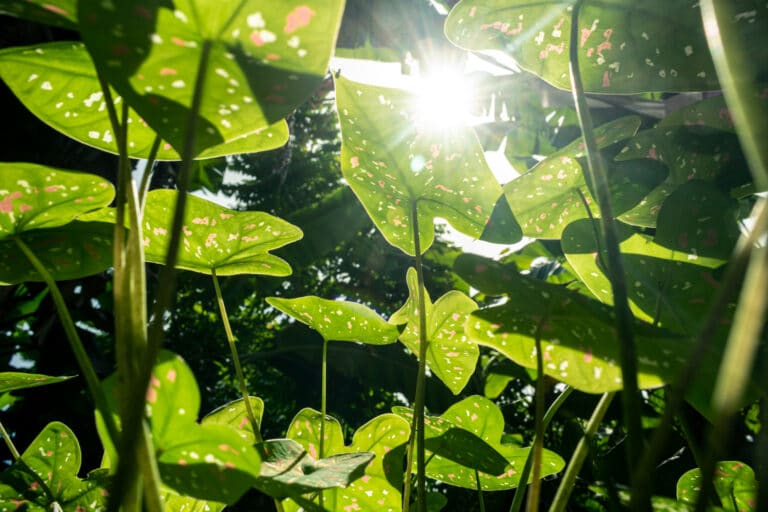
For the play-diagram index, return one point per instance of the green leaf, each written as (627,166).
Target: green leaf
(450,355)
(35,197)
(384,436)
(61,13)
(235,415)
(10,381)
(578,336)
(394,164)
(178,503)
(546,198)
(735,485)
(264,60)
(75,250)
(624,46)
(58,83)
(697,142)
(502,227)
(338,320)
(216,238)
(471,430)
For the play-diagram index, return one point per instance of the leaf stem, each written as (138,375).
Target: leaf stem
(83,361)
(417,434)
(480,500)
(9,442)
(538,439)
(580,455)
(236,358)
(323,396)
(627,351)
(145,178)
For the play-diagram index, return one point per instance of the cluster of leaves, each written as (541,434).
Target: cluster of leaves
(187,81)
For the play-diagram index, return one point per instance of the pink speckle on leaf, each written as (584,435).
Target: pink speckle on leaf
(6,205)
(272,56)
(168,72)
(472,12)
(24,208)
(354,162)
(171,375)
(682,240)
(178,41)
(652,154)
(606,79)
(298,18)
(143,12)
(53,188)
(151,395)
(121,50)
(55,9)
(585,33)
(588,356)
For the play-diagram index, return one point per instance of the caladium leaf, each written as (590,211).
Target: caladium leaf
(75,250)
(479,419)
(337,320)
(259,61)
(450,355)
(10,381)
(61,13)
(546,198)
(397,167)
(235,415)
(217,238)
(384,436)
(734,481)
(624,46)
(46,476)
(35,197)
(697,142)
(577,334)
(58,83)
(178,503)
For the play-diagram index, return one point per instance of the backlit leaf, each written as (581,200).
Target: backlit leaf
(235,415)
(482,425)
(394,164)
(57,82)
(337,320)
(61,13)
(217,238)
(735,485)
(265,59)
(10,381)
(624,46)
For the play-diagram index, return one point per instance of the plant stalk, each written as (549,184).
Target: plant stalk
(480,500)
(624,318)
(145,178)
(236,358)
(83,361)
(9,442)
(417,434)
(538,440)
(580,455)
(323,397)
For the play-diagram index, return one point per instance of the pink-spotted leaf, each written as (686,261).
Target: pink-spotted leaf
(235,415)
(394,164)
(735,485)
(338,320)
(60,13)
(450,355)
(217,238)
(481,425)
(57,82)
(384,436)
(265,59)
(10,381)
(624,46)
(546,198)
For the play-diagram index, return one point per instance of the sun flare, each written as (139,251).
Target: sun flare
(443,101)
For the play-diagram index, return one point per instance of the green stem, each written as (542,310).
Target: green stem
(9,442)
(538,440)
(479,488)
(736,72)
(148,465)
(83,361)
(624,319)
(641,490)
(595,231)
(144,186)
(417,433)
(580,455)
(323,396)
(736,365)
(236,358)
(517,501)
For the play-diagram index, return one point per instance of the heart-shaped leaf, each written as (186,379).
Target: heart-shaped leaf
(624,46)
(384,436)
(177,503)
(75,250)
(477,419)
(61,13)
(58,83)
(235,415)
(258,61)
(35,197)
(396,166)
(10,381)
(337,320)
(577,334)
(697,142)
(46,476)
(546,198)
(216,238)
(735,485)
(450,355)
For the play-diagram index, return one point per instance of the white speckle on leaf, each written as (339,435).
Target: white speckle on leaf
(256,20)
(93,134)
(178,84)
(46,86)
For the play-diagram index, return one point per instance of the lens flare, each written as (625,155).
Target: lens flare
(442,102)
